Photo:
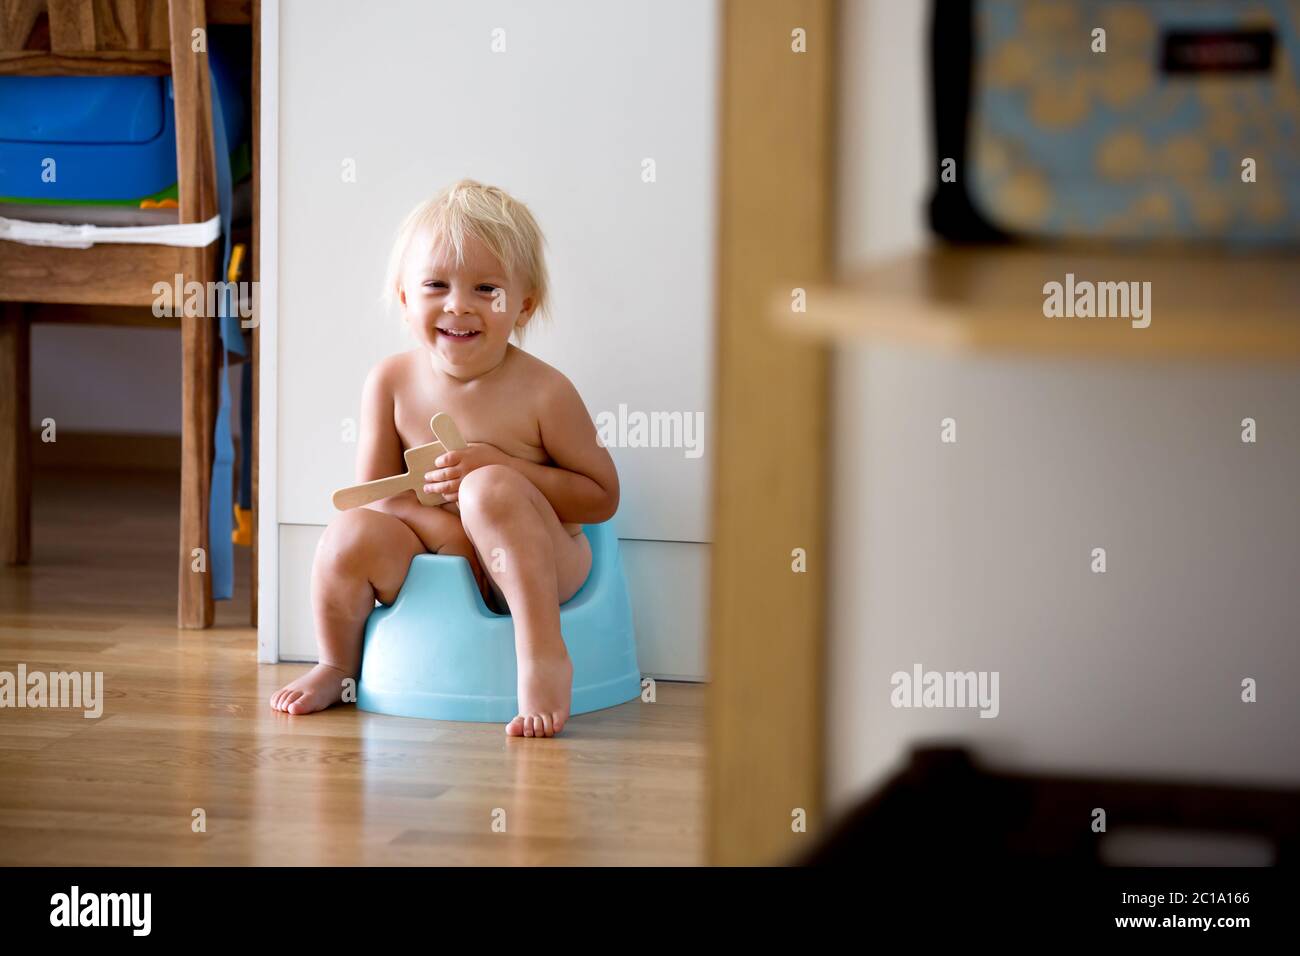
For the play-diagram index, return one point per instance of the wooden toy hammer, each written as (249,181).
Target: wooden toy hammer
(419,460)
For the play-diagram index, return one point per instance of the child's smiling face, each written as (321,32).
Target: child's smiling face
(463,315)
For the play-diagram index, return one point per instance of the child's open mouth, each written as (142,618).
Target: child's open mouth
(457,334)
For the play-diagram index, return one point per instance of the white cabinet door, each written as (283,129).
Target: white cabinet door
(602,118)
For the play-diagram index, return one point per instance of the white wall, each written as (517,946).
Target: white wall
(585,91)
(113,380)
(884,146)
(105,379)
(976,556)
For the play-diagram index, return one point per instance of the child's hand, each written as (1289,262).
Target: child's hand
(455,465)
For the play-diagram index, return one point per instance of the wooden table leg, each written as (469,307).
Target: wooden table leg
(15,435)
(198,425)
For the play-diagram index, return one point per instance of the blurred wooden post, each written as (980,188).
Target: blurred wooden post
(766,620)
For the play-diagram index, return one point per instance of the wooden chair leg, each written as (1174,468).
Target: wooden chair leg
(15,435)
(199,343)
(197,195)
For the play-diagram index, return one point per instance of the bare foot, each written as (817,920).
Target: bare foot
(545,692)
(320,687)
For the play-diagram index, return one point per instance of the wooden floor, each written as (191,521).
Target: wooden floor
(186,726)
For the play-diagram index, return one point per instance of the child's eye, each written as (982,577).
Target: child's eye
(439,284)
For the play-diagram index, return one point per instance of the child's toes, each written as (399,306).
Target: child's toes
(548,725)
(516,727)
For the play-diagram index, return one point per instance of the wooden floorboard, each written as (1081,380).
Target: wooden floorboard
(186,726)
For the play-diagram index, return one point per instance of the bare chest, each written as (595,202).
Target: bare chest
(483,415)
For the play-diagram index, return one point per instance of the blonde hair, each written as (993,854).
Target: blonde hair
(491,215)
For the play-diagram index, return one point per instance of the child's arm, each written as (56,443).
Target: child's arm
(379,447)
(582,485)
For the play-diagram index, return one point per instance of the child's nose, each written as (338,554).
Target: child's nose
(457,303)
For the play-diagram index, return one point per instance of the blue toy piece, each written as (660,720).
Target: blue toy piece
(439,652)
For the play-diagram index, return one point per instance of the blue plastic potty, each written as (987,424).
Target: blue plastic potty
(439,652)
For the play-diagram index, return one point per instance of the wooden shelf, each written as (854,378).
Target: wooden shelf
(1229,305)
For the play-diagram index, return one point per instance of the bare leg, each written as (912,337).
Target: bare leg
(363,556)
(537,565)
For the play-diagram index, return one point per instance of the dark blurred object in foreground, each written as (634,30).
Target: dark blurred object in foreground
(942,808)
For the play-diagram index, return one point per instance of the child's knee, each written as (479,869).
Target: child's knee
(489,490)
(350,537)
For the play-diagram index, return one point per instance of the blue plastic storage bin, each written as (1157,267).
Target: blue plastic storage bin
(439,652)
(112,138)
